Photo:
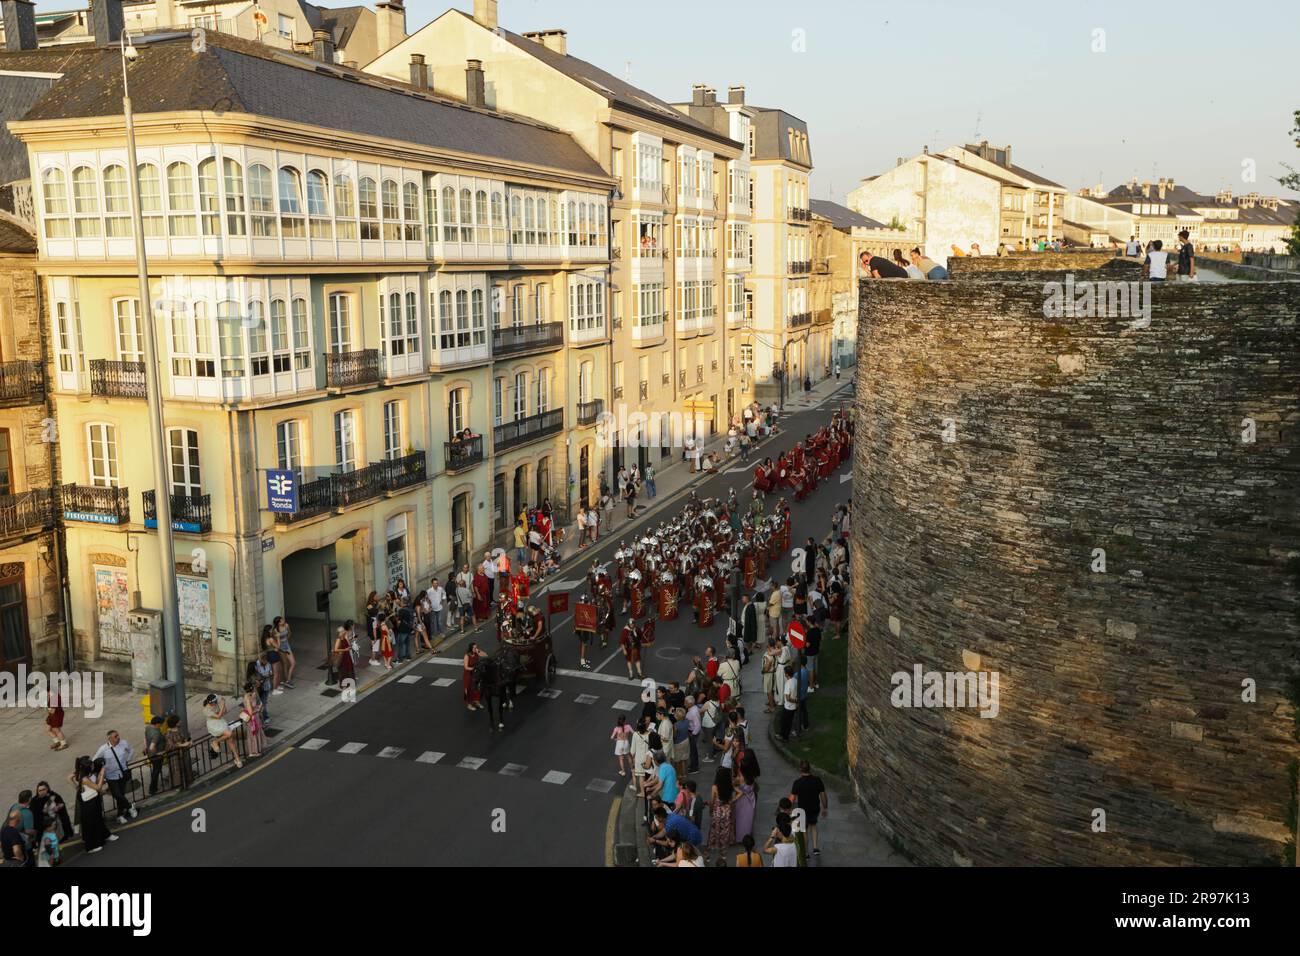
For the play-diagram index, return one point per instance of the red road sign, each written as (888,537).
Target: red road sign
(798,636)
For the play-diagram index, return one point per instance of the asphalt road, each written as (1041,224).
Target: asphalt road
(407,776)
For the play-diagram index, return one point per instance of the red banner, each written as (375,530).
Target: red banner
(584,616)
(557,603)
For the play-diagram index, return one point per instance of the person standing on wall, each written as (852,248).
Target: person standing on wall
(1156,264)
(1186,257)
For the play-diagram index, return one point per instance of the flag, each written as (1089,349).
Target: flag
(557,603)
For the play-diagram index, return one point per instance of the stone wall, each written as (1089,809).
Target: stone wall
(960,266)
(1120,690)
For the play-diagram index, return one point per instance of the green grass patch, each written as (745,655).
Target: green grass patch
(826,746)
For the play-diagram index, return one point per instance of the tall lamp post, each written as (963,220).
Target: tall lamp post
(172,650)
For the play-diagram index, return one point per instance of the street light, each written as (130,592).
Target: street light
(172,651)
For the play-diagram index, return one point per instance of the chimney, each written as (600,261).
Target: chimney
(419,72)
(106,21)
(20,24)
(485,12)
(710,96)
(554,40)
(322,46)
(474,86)
(1008,151)
(697,94)
(736,94)
(390,24)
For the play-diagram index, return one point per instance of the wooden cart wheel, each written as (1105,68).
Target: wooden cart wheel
(550,669)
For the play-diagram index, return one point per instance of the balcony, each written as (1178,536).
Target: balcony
(616,252)
(644,391)
(798,214)
(798,320)
(681,378)
(95,505)
(588,412)
(345,489)
(27,511)
(521,339)
(593,332)
(22,383)
(352,369)
(111,379)
(800,267)
(616,323)
(735,318)
(463,454)
(524,430)
(190,513)
(699,374)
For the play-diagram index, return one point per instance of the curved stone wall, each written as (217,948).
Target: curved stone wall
(1071,504)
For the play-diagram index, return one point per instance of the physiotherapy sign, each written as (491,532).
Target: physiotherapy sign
(281,491)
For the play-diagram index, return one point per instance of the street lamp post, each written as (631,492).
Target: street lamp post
(172,650)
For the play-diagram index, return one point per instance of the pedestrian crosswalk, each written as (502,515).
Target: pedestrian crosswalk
(472,763)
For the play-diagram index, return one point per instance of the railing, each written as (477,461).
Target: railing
(358,485)
(462,454)
(667,377)
(799,319)
(314,498)
(799,214)
(644,391)
(699,374)
(190,513)
(180,768)
(22,383)
(800,266)
(681,378)
(618,391)
(514,339)
(95,505)
(616,323)
(588,412)
(405,471)
(27,511)
(347,369)
(714,364)
(524,430)
(667,194)
(117,379)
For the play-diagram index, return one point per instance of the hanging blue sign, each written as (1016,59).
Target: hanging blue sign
(281,491)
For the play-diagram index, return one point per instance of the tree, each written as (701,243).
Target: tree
(1292,181)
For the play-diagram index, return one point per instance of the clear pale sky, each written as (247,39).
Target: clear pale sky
(1187,90)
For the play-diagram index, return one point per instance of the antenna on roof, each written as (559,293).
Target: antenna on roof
(627,71)
(979,115)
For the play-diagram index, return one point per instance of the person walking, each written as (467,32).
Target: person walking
(630,497)
(54,721)
(650,490)
(622,737)
(808,793)
(470,661)
(89,784)
(116,755)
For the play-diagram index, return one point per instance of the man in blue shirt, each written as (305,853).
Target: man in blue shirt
(803,676)
(678,828)
(665,786)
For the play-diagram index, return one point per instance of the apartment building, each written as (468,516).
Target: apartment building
(395,297)
(667,221)
(839,237)
(356,34)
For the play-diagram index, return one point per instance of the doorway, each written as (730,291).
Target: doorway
(460,543)
(584,476)
(15,643)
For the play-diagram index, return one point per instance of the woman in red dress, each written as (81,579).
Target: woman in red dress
(470,661)
(482,606)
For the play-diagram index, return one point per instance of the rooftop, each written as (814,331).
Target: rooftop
(842,217)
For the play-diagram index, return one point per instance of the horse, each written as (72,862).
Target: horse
(494,678)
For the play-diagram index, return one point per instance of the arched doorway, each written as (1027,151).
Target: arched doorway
(584,475)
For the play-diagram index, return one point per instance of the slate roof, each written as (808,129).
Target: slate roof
(339,21)
(1018,170)
(19,93)
(842,217)
(15,238)
(241,76)
(771,140)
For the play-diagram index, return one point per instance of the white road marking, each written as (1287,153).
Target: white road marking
(844,478)
(316,743)
(444,682)
(512,769)
(472,763)
(592,675)
(429,756)
(736,471)
(550,693)
(352,748)
(409,679)
(556,776)
(586,699)
(625,705)
(561,585)
(391,752)
(601,786)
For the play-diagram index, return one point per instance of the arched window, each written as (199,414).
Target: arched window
(516,221)
(411,211)
(85,202)
(209,201)
(301,334)
(345,206)
(232,175)
(392,211)
(291,220)
(261,201)
(449,231)
(446,321)
(466,216)
(483,228)
(117,204)
(280,357)
(369,197)
(318,205)
(182,361)
(259,358)
(54,192)
(498,218)
(151,202)
(530,221)
(480,326)
(517,306)
(412,323)
(543,389)
(180,200)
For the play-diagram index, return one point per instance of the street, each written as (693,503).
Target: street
(407,776)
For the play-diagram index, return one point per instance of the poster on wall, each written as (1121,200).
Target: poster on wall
(112,605)
(195,609)
(396,563)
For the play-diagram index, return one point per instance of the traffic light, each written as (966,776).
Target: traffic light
(329,577)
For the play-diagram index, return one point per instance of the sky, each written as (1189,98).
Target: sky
(1085,92)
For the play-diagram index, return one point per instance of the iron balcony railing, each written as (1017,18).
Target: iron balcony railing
(681,378)
(22,383)
(645,391)
(699,374)
(800,266)
(113,379)
(27,511)
(95,505)
(190,513)
(349,369)
(616,252)
(345,489)
(463,453)
(524,430)
(666,378)
(516,339)
(618,391)
(799,319)
(588,412)
(799,214)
